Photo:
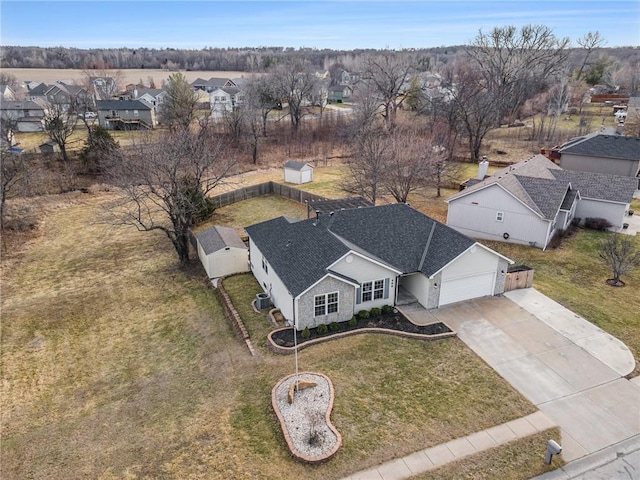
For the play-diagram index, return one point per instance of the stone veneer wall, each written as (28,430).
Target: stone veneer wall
(346,301)
(501,276)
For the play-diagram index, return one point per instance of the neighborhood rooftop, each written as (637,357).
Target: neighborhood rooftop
(216,238)
(605,146)
(396,235)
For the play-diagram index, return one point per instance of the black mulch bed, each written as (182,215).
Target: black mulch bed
(391,321)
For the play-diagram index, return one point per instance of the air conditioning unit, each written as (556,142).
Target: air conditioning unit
(263,301)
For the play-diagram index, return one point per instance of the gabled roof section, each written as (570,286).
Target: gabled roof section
(296,165)
(400,236)
(299,252)
(218,238)
(19,105)
(604,146)
(531,181)
(122,105)
(601,186)
(39,90)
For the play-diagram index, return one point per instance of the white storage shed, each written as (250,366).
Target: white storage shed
(221,251)
(298,172)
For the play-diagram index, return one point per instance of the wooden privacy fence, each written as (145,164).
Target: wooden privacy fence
(518,276)
(266,188)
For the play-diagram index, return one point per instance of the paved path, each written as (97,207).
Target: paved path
(434,457)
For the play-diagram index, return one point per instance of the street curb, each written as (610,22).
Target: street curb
(593,461)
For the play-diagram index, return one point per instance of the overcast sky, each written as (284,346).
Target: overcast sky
(346,24)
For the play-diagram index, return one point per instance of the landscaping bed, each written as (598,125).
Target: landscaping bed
(395,321)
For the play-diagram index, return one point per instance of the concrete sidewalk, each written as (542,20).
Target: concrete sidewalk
(434,457)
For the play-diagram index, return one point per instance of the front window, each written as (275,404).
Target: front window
(372,290)
(325,304)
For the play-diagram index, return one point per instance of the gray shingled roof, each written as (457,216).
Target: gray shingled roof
(604,146)
(217,238)
(296,165)
(122,105)
(19,105)
(40,89)
(543,186)
(397,235)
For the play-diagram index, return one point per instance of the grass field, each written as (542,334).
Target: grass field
(116,363)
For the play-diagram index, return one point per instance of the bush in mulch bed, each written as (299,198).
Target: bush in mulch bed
(389,321)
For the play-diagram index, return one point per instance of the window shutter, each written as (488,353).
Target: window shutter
(358,295)
(386,288)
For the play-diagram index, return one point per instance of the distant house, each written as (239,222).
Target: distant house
(125,114)
(602,153)
(349,78)
(104,88)
(221,251)
(27,116)
(531,201)
(38,92)
(326,269)
(7,93)
(340,93)
(212,84)
(298,172)
(225,99)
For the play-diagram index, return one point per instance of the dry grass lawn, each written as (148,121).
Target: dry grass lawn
(118,364)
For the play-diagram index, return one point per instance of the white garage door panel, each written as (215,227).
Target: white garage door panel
(466,288)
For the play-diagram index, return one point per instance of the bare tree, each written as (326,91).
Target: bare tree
(408,164)
(10,80)
(470,107)
(516,64)
(441,144)
(589,43)
(164,186)
(295,85)
(8,128)
(181,103)
(60,120)
(387,74)
(620,253)
(365,107)
(14,172)
(369,164)
(261,97)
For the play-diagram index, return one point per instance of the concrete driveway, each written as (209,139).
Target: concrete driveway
(572,371)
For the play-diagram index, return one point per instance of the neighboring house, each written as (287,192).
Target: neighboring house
(225,99)
(125,114)
(298,172)
(153,96)
(328,268)
(104,88)
(212,84)
(38,92)
(349,78)
(340,93)
(26,116)
(66,94)
(7,93)
(530,201)
(221,251)
(602,153)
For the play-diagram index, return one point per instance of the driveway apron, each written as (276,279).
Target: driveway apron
(557,369)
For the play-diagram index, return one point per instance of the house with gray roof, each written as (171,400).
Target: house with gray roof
(221,251)
(328,268)
(125,114)
(602,153)
(212,84)
(531,201)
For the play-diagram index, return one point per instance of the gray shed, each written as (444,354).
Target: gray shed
(298,172)
(221,251)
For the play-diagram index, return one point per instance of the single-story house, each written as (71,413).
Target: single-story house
(221,251)
(125,114)
(529,201)
(602,153)
(327,268)
(298,172)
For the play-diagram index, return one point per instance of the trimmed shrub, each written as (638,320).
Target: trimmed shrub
(334,326)
(353,321)
(375,311)
(596,223)
(363,314)
(322,329)
(387,309)
(306,333)
(576,221)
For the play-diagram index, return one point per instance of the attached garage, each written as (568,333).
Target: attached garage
(221,251)
(465,288)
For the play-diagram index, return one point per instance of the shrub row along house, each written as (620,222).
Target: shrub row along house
(328,268)
(533,200)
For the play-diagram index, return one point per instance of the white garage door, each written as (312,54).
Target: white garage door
(465,288)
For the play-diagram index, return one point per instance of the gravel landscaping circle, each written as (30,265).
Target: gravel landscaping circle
(305,422)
